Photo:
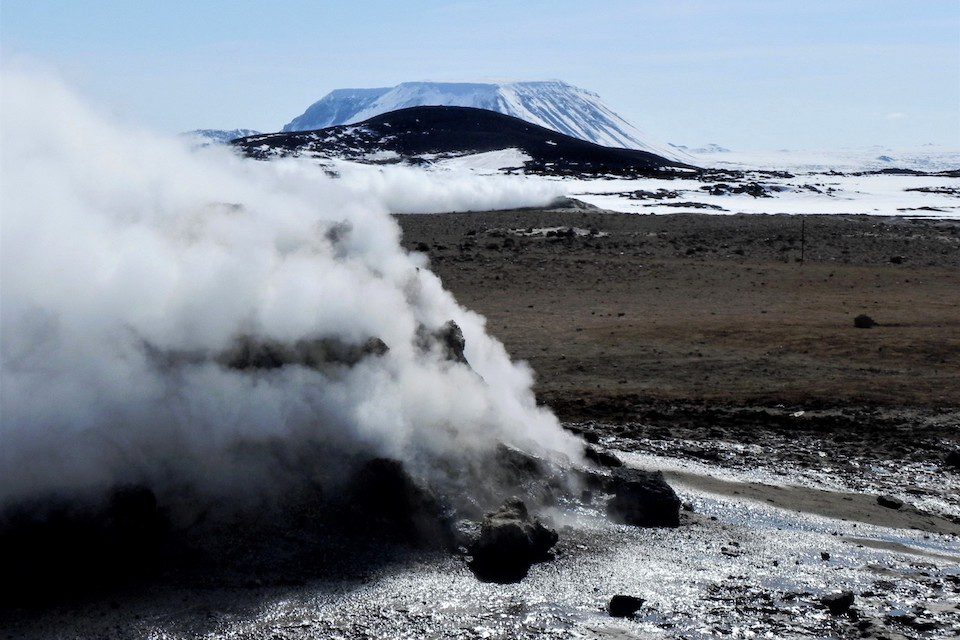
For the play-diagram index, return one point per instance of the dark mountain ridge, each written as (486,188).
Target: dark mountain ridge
(423,135)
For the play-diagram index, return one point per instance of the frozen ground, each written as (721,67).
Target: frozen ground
(876,194)
(818,183)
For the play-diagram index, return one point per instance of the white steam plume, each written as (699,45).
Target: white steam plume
(411,190)
(131,264)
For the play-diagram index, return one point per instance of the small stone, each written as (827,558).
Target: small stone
(622,606)
(863,321)
(824,556)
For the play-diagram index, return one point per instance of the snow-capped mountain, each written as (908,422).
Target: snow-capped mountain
(219,136)
(553,104)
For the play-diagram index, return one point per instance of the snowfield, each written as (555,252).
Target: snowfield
(877,194)
(810,191)
(929,157)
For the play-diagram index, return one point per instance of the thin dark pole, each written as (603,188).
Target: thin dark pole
(803,236)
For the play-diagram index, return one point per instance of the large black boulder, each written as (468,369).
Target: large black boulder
(643,499)
(510,541)
(54,546)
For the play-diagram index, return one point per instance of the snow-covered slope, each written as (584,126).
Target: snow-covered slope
(553,104)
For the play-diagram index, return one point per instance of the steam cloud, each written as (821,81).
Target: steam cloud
(132,268)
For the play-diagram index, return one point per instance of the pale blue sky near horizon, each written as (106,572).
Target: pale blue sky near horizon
(748,74)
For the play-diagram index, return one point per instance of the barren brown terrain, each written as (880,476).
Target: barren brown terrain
(708,309)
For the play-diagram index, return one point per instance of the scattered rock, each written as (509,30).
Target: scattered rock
(863,321)
(824,556)
(510,541)
(838,603)
(643,499)
(624,606)
(896,259)
(889,502)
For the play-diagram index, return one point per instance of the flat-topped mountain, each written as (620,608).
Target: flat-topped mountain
(552,104)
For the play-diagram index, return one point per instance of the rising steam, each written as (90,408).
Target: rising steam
(141,281)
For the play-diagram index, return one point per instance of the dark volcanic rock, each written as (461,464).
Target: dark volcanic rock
(448,337)
(249,352)
(863,321)
(643,499)
(53,547)
(601,457)
(953,459)
(889,502)
(384,493)
(624,606)
(838,603)
(510,541)
(517,468)
(509,471)
(451,337)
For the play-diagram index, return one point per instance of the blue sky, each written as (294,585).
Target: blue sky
(749,74)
